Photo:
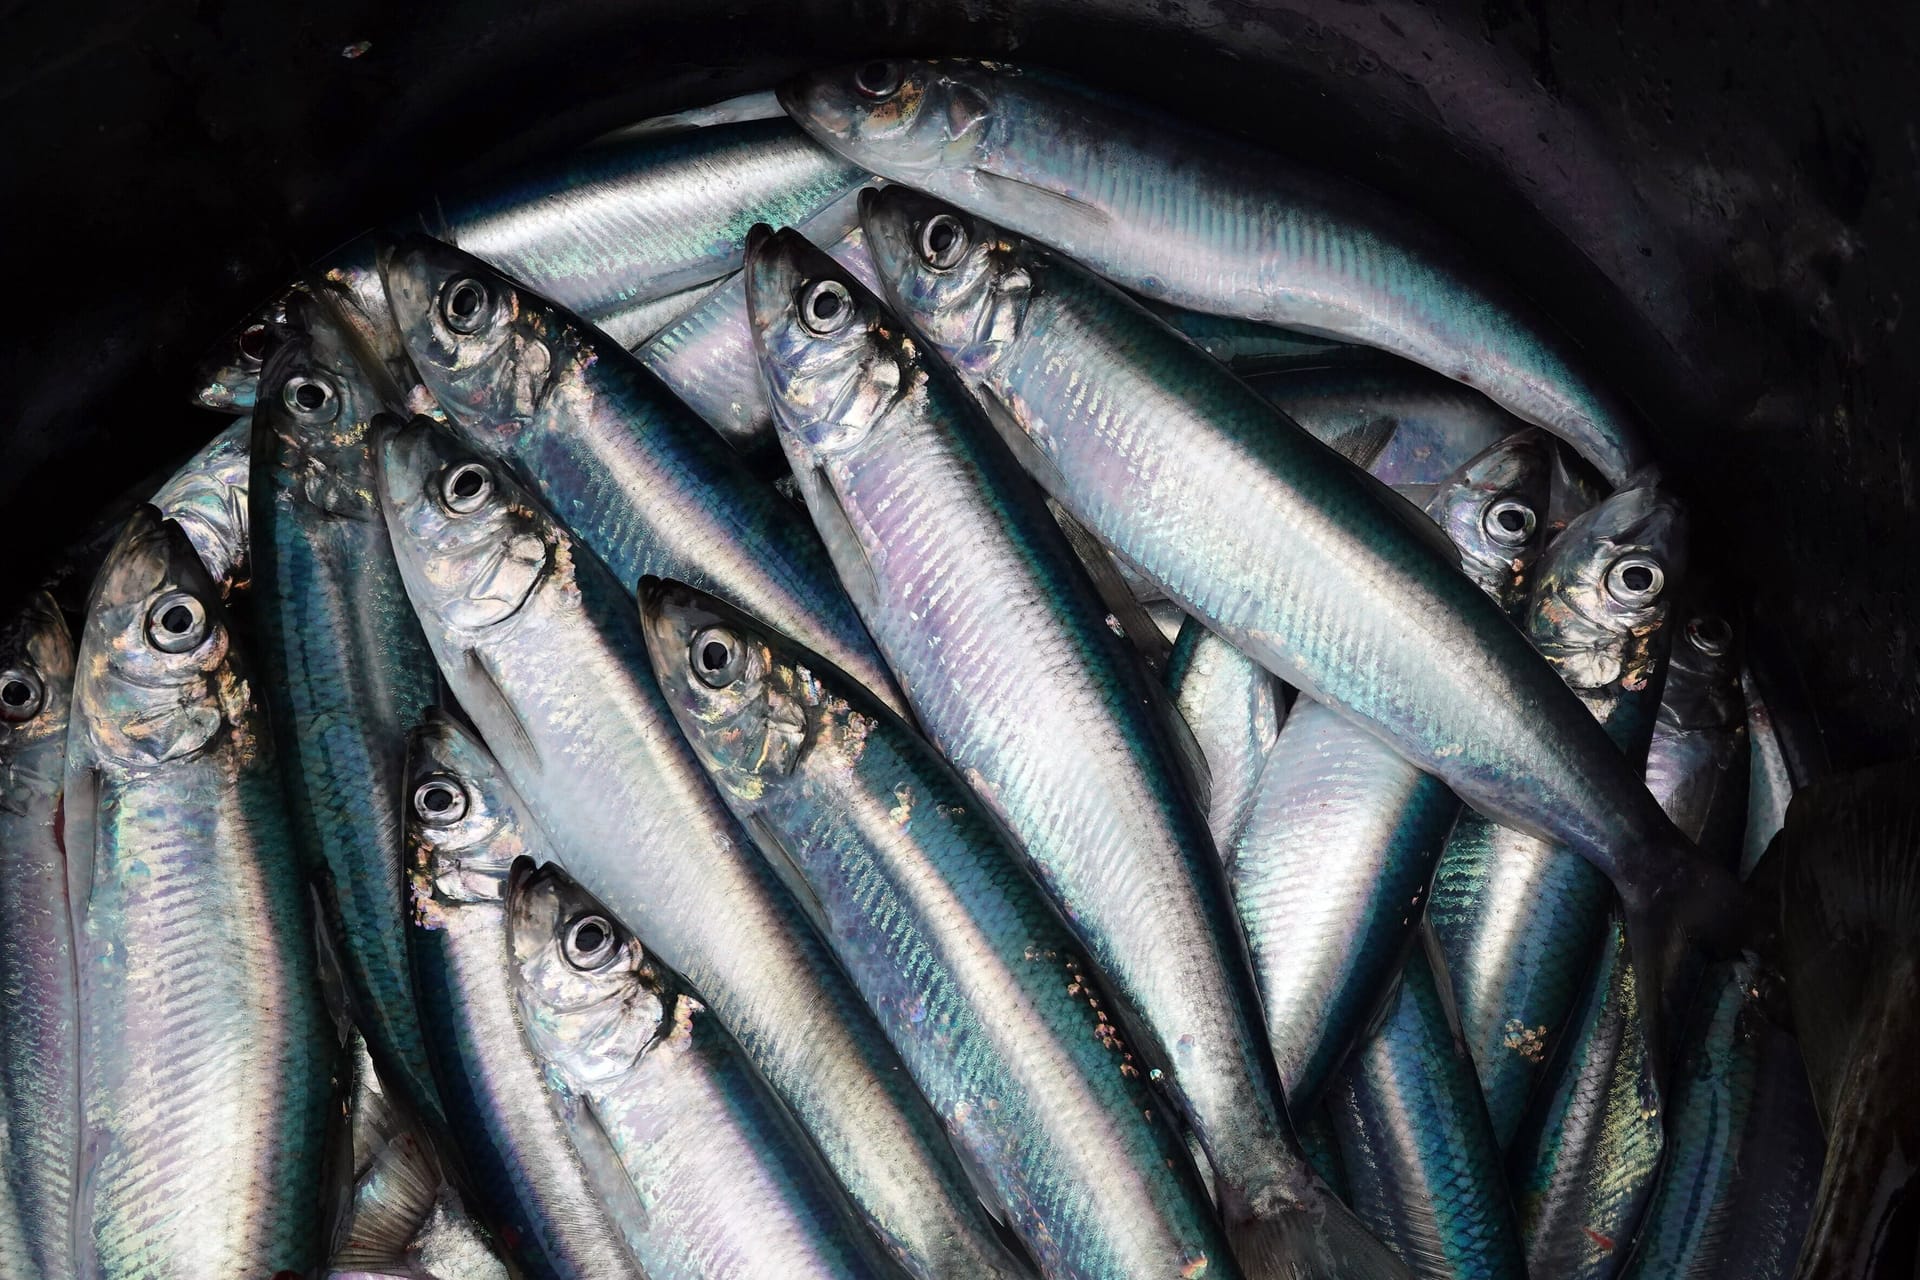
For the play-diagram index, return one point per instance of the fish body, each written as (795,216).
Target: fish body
(207,498)
(466,830)
(39,1042)
(1234,707)
(973,594)
(646,486)
(1247,346)
(544,651)
(712,1178)
(1424,1168)
(1520,919)
(208,1056)
(1434,423)
(347,669)
(1209,224)
(1311,567)
(1697,755)
(988,999)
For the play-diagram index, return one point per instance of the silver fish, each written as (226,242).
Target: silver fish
(207,498)
(713,1179)
(39,1046)
(1519,918)
(759,105)
(539,1192)
(208,1056)
(984,993)
(1235,710)
(1247,346)
(544,651)
(1697,757)
(1001,644)
(1309,566)
(643,483)
(1207,223)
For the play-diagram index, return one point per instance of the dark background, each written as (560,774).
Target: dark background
(1719,200)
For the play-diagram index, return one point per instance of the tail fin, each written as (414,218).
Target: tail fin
(1321,1240)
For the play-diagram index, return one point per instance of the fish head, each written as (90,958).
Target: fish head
(1703,671)
(36,681)
(483,346)
(207,497)
(741,697)
(835,362)
(154,680)
(465,823)
(318,398)
(228,378)
(472,544)
(1494,509)
(1605,589)
(591,999)
(900,117)
(961,282)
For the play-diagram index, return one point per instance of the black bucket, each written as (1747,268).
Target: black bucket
(1720,200)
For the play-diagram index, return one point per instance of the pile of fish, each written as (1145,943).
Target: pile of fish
(934,675)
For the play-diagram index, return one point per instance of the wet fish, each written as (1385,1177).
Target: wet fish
(1849,905)
(346,668)
(1520,919)
(759,105)
(1697,755)
(1425,1169)
(646,486)
(1312,568)
(537,1190)
(207,498)
(39,1047)
(208,1072)
(1209,224)
(1001,643)
(1234,707)
(706,356)
(1248,346)
(1787,749)
(544,650)
(626,233)
(1433,423)
(989,1001)
(713,1178)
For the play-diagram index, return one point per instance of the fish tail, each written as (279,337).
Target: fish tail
(1318,1240)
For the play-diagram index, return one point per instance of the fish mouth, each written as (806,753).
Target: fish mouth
(404,457)
(810,101)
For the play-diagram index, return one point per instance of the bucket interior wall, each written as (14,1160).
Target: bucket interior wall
(1719,200)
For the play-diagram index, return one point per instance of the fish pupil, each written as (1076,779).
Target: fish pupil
(1636,577)
(466,300)
(178,620)
(826,305)
(310,395)
(713,655)
(437,799)
(466,484)
(1511,520)
(940,236)
(16,693)
(591,937)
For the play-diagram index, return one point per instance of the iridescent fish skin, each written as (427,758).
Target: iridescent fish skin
(1308,565)
(626,233)
(1697,758)
(1437,423)
(1425,1171)
(979,986)
(647,487)
(207,1052)
(207,498)
(1209,224)
(1770,783)
(39,1048)
(1234,708)
(544,650)
(1520,919)
(706,357)
(713,1179)
(1493,509)
(466,828)
(347,669)
(975,597)
(1247,346)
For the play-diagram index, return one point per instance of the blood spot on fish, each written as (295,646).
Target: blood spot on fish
(1605,1242)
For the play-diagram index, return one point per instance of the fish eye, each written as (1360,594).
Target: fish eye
(310,397)
(878,80)
(943,241)
(1635,580)
(826,307)
(440,802)
(177,623)
(465,488)
(719,659)
(254,341)
(1509,521)
(21,694)
(463,304)
(589,943)
(1711,634)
